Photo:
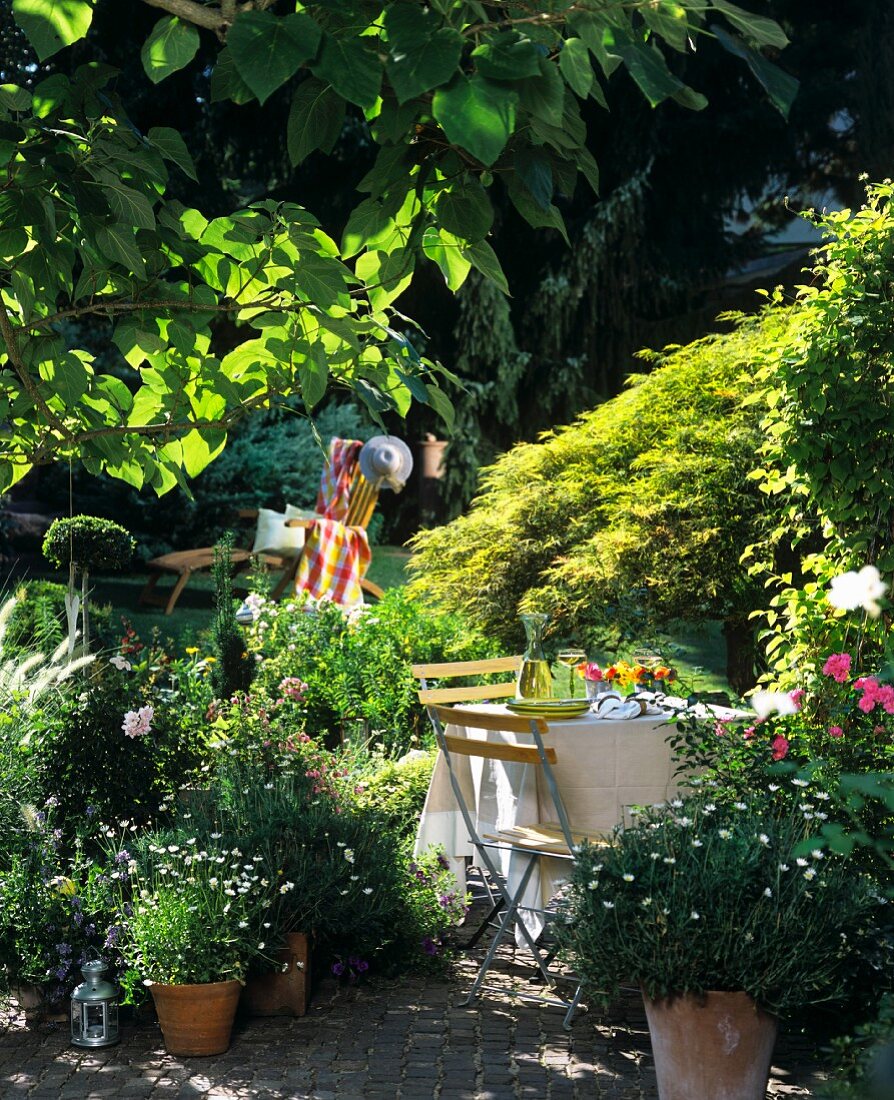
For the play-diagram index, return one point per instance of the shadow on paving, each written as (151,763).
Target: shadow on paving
(405,1039)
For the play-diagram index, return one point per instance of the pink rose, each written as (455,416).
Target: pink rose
(836,731)
(838,666)
(779,745)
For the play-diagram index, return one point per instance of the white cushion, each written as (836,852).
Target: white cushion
(272,536)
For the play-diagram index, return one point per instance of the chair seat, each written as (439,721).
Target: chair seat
(544,837)
(188,561)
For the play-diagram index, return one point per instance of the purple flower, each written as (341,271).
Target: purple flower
(443,862)
(61,972)
(52,801)
(112,936)
(63,949)
(429,946)
(338,968)
(361,966)
(123,856)
(90,811)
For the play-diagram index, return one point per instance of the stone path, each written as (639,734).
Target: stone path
(410,1039)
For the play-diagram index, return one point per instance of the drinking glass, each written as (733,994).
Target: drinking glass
(570,658)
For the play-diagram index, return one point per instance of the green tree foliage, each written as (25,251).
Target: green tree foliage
(827,463)
(86,233)
(647,494)
(454,96)
(88,542)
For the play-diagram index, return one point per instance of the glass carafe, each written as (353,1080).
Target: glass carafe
(534,678)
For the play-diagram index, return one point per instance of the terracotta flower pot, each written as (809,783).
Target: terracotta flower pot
(284,992)
(196,1019)
(715,1047)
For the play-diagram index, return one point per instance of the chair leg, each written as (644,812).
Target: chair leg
(573,1007)
(482,928)
(182,582)
(507,921)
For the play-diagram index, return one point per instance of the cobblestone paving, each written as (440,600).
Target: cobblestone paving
(411,1039)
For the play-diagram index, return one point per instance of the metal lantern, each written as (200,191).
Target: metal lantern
(244,615)
(94,1008)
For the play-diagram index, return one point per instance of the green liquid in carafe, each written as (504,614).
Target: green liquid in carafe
(534,680)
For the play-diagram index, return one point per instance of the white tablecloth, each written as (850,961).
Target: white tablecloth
(602,767)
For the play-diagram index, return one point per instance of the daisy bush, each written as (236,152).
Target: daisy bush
(191,910)
(713,893)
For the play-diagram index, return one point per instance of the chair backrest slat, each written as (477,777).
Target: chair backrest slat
(466,694)
(497,750)
(468,668)
(482,720)
(362,501)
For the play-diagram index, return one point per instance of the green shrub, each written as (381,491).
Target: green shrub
(648,494)
(89,542)
(356,666)
(396,789)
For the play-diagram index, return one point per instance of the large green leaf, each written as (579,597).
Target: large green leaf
(51,24)
(367,222)
(268,49)
(171,45)
(127,205)
(173,148)
(466,211)
(476,114)
(507,56)
(670,20)
(14,98)
(117,242)
(423,52)
(351,66)
(67,375)
(226,83)
(535,170)
(530,209)
(316,118)
(313,372)
(483,257)
(445,250)
(544,95)
(574,62)
(760,29)
(646,64)
(779,86)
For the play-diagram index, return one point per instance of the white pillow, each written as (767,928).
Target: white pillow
(300,513)
(272,535)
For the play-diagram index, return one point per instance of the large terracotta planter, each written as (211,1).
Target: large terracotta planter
(714,1047)
(196,1019)
(285,992)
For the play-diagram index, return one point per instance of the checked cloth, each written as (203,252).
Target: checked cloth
(338,473)
(334,562)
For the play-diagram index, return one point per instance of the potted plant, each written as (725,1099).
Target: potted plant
(194,918)
(716,910)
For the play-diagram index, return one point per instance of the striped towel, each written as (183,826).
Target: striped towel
(338,473)
(334,562)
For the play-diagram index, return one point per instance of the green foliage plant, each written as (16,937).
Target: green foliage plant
(396,789)
(452,98)
(38,622)
(646,495)
(707,893)
(357,665)
(233,668)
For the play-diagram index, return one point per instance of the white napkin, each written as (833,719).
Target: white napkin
(613,706)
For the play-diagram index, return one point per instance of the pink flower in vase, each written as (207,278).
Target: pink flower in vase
(592,672)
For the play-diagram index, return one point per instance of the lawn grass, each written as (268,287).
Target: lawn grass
(192,615)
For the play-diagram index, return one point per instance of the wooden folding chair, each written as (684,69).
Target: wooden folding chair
(527,841)
(451,670)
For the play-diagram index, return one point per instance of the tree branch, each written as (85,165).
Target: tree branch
(191,11)
(12,353)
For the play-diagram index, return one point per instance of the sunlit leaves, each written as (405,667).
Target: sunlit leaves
(52,24)
(171,46)
(352,67)
(477,114)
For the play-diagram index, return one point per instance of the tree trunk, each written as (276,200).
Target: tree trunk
(740,654)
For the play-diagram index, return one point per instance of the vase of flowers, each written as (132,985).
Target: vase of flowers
(595,680)
(711,905)
(193,921)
